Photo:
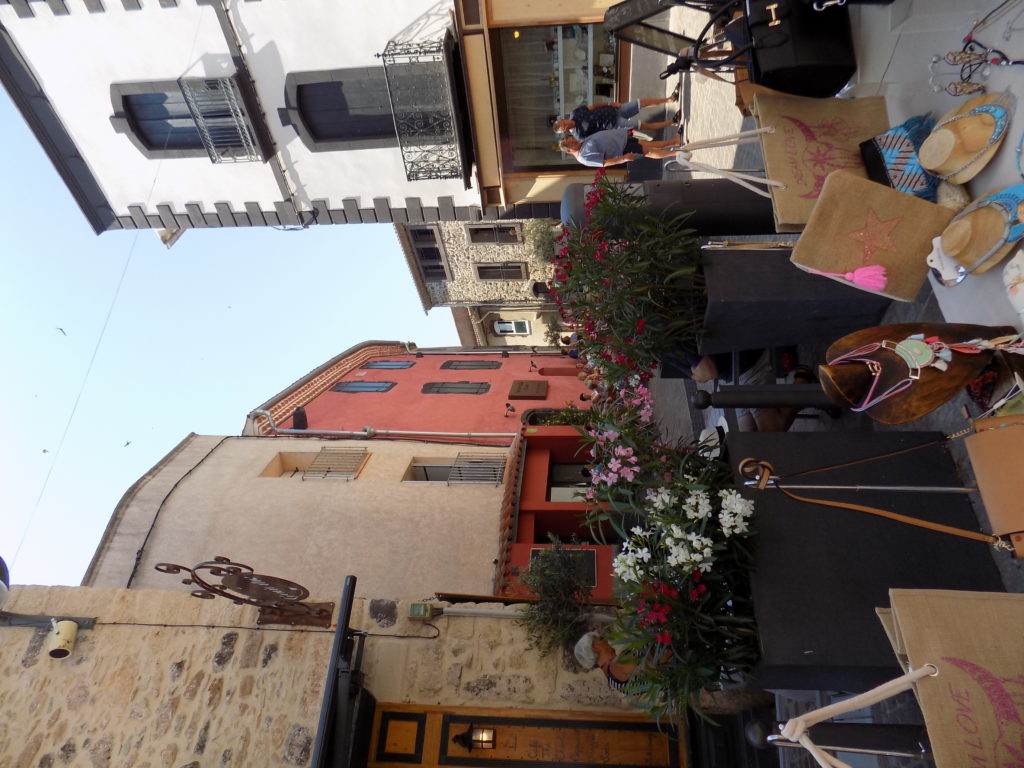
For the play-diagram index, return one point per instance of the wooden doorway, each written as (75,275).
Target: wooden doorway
(405,734)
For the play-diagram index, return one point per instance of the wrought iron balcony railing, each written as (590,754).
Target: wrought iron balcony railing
(419,77)
(220,118)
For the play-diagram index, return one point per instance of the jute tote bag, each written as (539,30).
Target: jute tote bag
(964,656)
(810,138)
(859,224)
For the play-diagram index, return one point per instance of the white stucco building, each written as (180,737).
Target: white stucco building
(170,114)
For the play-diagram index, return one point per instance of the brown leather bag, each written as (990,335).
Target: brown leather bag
(996,450)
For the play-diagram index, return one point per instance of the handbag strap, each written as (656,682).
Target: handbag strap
(764,473)
(746,180)
(797,728)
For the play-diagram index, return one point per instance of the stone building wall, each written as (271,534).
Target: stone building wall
(164,680)
(169,681)
(473,662)
(465,286)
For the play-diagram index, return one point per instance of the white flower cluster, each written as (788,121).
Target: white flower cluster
(687,550)
(661,499)
(736,510)
(628,564)
(697,505)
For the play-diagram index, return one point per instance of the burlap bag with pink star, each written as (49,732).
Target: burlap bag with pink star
(870,236)
(809,139)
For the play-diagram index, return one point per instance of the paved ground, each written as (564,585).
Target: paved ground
(710,111)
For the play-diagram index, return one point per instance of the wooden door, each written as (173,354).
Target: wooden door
(405,735)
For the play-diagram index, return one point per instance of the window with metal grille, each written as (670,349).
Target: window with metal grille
(470,365)
(337,464)
(362,386)
(493,234)
(506,270)
(389,364)
(464,468)
(456,388)
(185,118)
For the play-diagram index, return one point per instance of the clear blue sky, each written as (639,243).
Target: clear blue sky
(197,336)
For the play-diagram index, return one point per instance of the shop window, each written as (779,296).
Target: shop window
(545,72)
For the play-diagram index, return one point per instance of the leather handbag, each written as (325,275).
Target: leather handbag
(796,49)
(996,450)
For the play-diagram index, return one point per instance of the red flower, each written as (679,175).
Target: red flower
(640,325)
(694,595)
(663,638)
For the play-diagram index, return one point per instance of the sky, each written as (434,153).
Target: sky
(114,348)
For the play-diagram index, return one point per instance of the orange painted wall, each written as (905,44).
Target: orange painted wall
(404,407)
(538,516)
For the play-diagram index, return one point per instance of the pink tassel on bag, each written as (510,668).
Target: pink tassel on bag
(870,278)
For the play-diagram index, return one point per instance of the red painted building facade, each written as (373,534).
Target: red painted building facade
(390,386)
(464,396)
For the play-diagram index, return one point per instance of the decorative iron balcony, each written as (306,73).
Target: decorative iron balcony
(217,110)
(419,77)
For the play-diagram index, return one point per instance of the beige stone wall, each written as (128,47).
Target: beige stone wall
(462,255)
(209,499)
(166,680)
(137,694)
(473,662)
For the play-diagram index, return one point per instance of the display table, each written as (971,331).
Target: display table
(820,571)
(758,299)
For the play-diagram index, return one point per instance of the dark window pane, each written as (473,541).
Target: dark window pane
(456,388)
(162,121)
(431,472)
(500,271)
(389,364)
(362,386)
(471,365)
(353,109)
(422,236)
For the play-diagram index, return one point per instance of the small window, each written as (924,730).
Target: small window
(426,245)
(389,364)
(493,234)
(506,270)
(362,386)
(512,327)
(456,388)
(470,365)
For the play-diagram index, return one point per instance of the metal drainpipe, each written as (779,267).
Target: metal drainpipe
(368,432)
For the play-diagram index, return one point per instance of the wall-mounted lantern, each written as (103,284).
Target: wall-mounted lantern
(475,737)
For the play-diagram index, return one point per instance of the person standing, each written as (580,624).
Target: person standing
(587,120)
(614,147)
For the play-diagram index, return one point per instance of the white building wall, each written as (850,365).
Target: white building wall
(78,56)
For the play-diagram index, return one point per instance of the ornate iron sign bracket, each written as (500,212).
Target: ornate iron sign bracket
(279,600)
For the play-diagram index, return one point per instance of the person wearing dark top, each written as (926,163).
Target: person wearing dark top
(614,147)
(587,120)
